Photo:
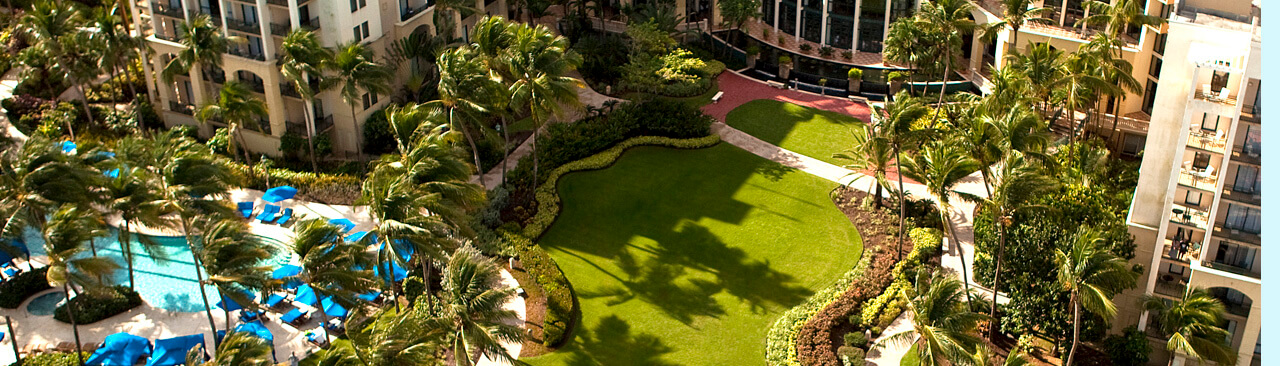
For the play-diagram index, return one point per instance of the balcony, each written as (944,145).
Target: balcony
(1207,140)
(254,85)
(215,76)
(289,90)
(285,3)
(168,37)
(1244,195)
(246,54)
(1184,253)
(324,124)
(1219,97)
(183,108)
(1231,269)
(409,12)
(243,25)
(1197,179)
(166,10)
(1222,231)
(1246,154)
(296,128)
(1171,285)
(1251,113)
(310,24)
(280,29)
(1190,216)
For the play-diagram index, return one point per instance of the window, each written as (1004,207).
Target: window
(1193,198)
(1161,39)
(355,33)
(1201,161)
(354,6)
(1252,141)
(787,17)
(767,12)
(1149,97)
(1154,70)
(364,30)
(1235,255)
(1219,81)
(1243,218)
(1133,144)
(1246,179)
(1209,124)
(365,99)
(1176,269)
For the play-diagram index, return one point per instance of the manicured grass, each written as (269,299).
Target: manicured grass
(911,358)
(686,257)
(807,131)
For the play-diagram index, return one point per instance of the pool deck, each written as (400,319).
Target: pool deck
(154,323)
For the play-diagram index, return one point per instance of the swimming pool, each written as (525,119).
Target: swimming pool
(44,305)
(170,284)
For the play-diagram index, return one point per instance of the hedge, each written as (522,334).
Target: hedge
(561,307)
(780,343)
(16,290)
(882,310)
(98,305)
(51,359)
(327,188)
(548,198)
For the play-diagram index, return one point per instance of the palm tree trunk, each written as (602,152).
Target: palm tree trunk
(1075,329)
(128,80)
(902,202)
(506,140)
(127,248)
(355,126)
(948,231)
(946,70)
(1115,122)
(1071,135)
(879,194)
(311,144)
(995,284)
(13,338)
(1015,36)
(986,178)
(475,153)
(75,328)
(324,318)
(537,131)
(85,104)
(208,310)
(226,314)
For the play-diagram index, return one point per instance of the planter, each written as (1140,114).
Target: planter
(855,86)
(894,87)
(784,71)
(751,61)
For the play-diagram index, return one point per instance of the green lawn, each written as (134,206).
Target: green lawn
(808,131)
(686,257)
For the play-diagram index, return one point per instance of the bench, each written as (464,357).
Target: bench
(716,98)
(777,84)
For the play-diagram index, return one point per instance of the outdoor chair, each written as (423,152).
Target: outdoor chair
(295,317)
(285,216)
(32,349)
(245,208)
(274,300)
(269,213)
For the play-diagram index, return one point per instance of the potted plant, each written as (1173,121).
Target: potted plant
(826,51)
(753,53)
(784,67)
(895,81)
(782,40)
(847,55)
(806,48)
(765,32)
(822,86)
(855,80)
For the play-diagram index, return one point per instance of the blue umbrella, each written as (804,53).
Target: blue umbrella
(68,147)
(305,295)
(333,308)
(229,304)
(356,237)
(257,329)
(372,295)
(120,349)
(173,351)
(287,270)
(345,223)
(280,193)
(113,173)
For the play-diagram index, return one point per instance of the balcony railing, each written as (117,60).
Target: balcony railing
(409,12)
(243,25)
(183,108)
(1171,285)
(1190,216)
(1244,195)
(285,2)
(1215,97)
(1185,252)
(289,90)
(310,24)
(1222,231)
(1197,179)
(217,77)
(1232,269)
(280,29)
(166,10)
(255,86)
(297,128)
(246,54)
(1251,113)
(1246,154)
(1208,141)
(324,124)
(168,37)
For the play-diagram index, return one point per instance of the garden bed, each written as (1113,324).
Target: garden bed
(95,306)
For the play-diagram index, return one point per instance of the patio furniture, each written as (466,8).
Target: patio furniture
(274,300)
(716,98)
(10,272)
(285,216)
(120,349)
(32,349)
(173,351)
(295,317)
(245,209)
(269,213)
(345,223)
(247,315)
(90,347)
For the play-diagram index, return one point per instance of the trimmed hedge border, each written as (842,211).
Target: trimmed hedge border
(549,199)
(92,307)
(780,342)
(562,305)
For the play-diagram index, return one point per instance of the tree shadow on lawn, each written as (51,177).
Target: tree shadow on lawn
(613,343)
(772,120)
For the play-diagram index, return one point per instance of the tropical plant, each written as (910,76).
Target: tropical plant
(939,166)
(1092,274)
(984,356)
(466,91)
(235,261)
(894,122)
(113,34)
(739,12)
(869,153)
(1119,15)
(449,13)
(356,70)
(942,326)
(236,106)
(1081,84)
(133,194)
(1042,65)
(1192,325)
(332,266)
(393,338)
(65,234)
(1018,13)
(302,57)
(203,45)
(952,20)
(473,308)
(36,181)
(539,62)
(52,27)
(239,348)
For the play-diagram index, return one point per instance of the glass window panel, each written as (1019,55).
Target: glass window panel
(811,22)
(871,26)
(840,32)
(786,17)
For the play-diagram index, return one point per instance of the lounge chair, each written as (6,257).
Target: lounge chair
(10,272)
(295,317)
(32,349)
(247,315)
(274,300)
(90,347)
(245,208)
(269,213)
(285,216)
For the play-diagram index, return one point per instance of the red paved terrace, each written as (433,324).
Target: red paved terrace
(739,90)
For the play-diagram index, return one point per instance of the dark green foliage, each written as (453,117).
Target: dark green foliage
(413,287)
(16,290)
(51,359)
(378,138)
(855,339)
(561,307)
(323,187)
(1130,348)
(25,110)
(94,306)
(602,59)
(852,356)
(293,145)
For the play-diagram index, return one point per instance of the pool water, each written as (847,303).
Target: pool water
(167,284)
(44,305)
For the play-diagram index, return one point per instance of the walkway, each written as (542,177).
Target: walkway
(741,90)
(7,83)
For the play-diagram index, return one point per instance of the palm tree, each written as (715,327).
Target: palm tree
(466,90)
(301,58)
(491,39)
(1192,326)
(357,71)
(113,34)
(65,234)
(449,14)
(952,20)
(984,356)
(894,122)
(940,166)
(869,153)
(239,348)
(1018,13)
(332,266)
(51,26)
(979,139)
(1115,70)
(36,181)
(133,195)
(942,326)
(202,47)
(1042,65)
(233,258)
(399,338)
(1081,83)
(1092,274)
(1017,183)
(236,106)
(539,62)
(1119,15)
(473,308)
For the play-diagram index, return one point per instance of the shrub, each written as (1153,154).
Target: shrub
(753,50)
(784,60)
(855,339)
(561,307)
(852,356)
(826,51)
(855,73)
(93,306)
(378,138)
(1128,349)
(413,287)
(764,32)
(52,359)
(16,290)
(324,187)
(806,48)
(847,55)
(897,76)
(782,40)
